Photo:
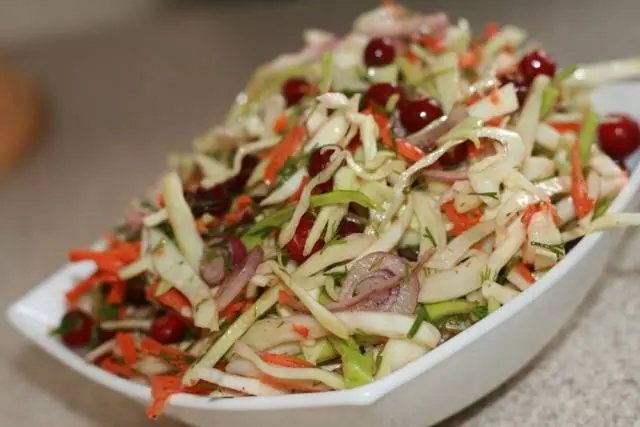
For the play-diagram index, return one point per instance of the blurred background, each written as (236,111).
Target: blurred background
(112,86)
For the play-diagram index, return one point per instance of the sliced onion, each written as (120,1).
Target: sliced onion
(374,263)
(236,282)
(213,270)
(445,175)
(386,22)
(251,386)
(454,283)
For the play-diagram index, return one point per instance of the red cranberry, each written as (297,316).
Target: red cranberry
(76,328)
(619,135)
(380,93)
(167,329)
(295,89)
(536,63)
(349,226)
(248,164)
(136,294)
(454,156)
(520,84)
(379,52)
(319,159)
(295,247)
(415,115)
(215,200)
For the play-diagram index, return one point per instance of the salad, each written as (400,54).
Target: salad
(368,198)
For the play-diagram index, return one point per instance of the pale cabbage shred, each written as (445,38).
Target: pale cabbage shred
(499,184)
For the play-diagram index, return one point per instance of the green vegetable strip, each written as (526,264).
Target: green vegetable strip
(492,304)
(602,206)
(549,98)
(231,335)
(564,74)
(281,216)
(327,72)
(588,136)
(357,368)
(440,310)
(422,316)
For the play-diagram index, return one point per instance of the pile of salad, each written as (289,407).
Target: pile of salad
(367,199)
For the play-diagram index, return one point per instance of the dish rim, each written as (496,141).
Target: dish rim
(361,396)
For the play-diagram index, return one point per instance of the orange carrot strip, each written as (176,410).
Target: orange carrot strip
(162,388)
(461,222)
(524,271)
(116,293)
(232,310)
(154,348)
(491,30)
(109,364)
(579,193)
(286,360)
(81,288)
(280,123)
(468,59)
(128,347)
(494,96)
(494,121)
(289,145)
(285,298)
(528,213)
(301,330)
(564,127)
(172,299)
(433,43)
(404,148)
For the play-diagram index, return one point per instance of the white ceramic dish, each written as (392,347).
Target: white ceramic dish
(436,386)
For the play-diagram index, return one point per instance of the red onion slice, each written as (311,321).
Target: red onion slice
(212,270)
(367,265)
(236,282)
(445,175)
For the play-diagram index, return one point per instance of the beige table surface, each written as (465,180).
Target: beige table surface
(122,99)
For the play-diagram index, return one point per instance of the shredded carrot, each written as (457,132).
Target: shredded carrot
(110,364)
(84,286)
(232,310)
(494,121)
(122,313)
(127,345)
(411,57)
(404,148)
(247,305)
(494,96)
(468,59)
(534,208)
(524,271)
(461,222)
(564,127)
(116,293)
(508,48)
(286,360)
(301,330)
(433,43)
(293,385)
(160,200)
(280,123)
(162,388)
(154,348)
(172,299)
(491,30)
(579,193)
(285,298)
(289,145)
(296,196)
(475,97)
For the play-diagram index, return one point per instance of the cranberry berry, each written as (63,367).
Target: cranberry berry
(167,329)
(319,160)
(294,90)
(349,226)
(619,136)
(415,115)
(454,156)
(76,328)
(379,52)
(520,84)
(536,63)
(380,93)
(295,247)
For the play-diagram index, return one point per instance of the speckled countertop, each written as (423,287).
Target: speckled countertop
(122,99)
